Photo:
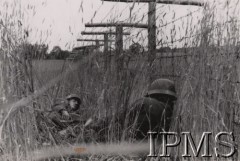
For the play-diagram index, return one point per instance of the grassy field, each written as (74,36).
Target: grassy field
(204,96)
(206,76)
(207,90)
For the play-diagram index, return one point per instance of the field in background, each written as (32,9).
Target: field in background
(206,74)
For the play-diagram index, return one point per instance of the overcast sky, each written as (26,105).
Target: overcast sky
(60,22)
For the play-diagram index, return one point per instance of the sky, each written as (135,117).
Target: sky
(60,22)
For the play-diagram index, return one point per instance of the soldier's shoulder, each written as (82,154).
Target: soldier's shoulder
(137,103)
(59,101)
(59,104)
(146,101)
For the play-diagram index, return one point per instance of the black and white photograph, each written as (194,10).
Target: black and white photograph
(119,80)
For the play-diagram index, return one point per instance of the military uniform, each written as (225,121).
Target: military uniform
(57,117)
(153,112)
(147,114)
(60,106)
(66,126)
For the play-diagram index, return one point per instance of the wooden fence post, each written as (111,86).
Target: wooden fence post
(119,50)
(107,57)
(152,22)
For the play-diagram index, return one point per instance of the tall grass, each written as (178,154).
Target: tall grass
(206,77)
(209,93)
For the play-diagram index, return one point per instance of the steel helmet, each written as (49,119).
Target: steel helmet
(74,96)
(162,86)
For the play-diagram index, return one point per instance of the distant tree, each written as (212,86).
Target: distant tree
(55,52)
(58,53)
(56,49)
(65,54)
(164,49)
(136,48)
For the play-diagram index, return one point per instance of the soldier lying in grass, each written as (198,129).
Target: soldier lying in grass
(65,123)
(65,114)
(153,112)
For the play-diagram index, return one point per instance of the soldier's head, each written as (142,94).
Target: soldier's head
(163,90)
(74,101)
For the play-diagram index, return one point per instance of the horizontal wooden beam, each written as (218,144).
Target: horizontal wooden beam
(177,2)
(92,40)
(102,33)
(137,25)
